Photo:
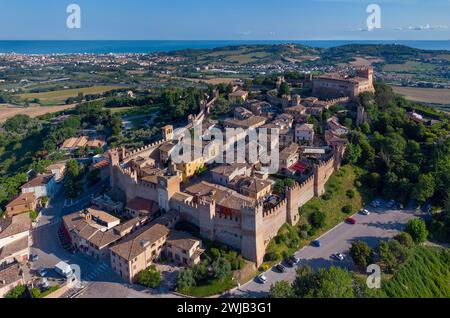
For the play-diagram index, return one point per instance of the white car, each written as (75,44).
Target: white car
(262,279)
(339,256)
(365,212)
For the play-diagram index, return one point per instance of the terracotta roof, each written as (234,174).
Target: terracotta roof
(136,243)
(142,205)
(250,184)
(182,240)
(14,247)
(75,142)
(14,225)
(21,199)
(10,275)
(40,180)
(56,166)
(289,151)
(249,122)
(305,127)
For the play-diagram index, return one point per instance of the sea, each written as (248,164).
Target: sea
(104,47)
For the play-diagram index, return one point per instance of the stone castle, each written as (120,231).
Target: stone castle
(335,85)
(220,213)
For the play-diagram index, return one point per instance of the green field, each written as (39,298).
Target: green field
(59,96)
(409,66)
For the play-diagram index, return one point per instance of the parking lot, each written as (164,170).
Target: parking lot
(380,224)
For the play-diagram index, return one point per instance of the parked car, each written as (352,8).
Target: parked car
(339,256)
(391,204)
(317,243)
(295,259)
(34,257)
(365,212)
(42,272)
(350,221)
(262,279)
(289,262)
(280,268)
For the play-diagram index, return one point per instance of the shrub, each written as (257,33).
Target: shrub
(405,239)
(17,292)
(417,229)
(350,194)
(149,277)
(347,209)
(304,235)
(312,232)
(185,280)
(215,253)
(264,267)
(358,184)
(327,196)
(317,219)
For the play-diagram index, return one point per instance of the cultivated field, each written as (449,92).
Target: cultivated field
(8,111)
(59,96)
(425,95)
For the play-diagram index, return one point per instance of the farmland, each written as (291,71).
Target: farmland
(425,95)
(8,111)
(59,96)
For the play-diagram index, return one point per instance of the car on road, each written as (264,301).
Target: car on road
(280,268)
(339,256)
(391,204)
(289,262)
(295,259)
(42,272)
(34,257)
(350,221)
(364,212)
(316,243)
(262,279)
(376,203)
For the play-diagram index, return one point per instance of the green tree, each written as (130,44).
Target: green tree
(281,289)
(417,229)
(185,280)
(405,239)
(353,154)
(17,292)
(221,268)
(361,254)
(149,277)
(284,89)
(425,187)
(317,219)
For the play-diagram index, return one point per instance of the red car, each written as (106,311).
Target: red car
(350,221)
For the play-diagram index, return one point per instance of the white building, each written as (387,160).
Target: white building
(15,239)
(304,132)
(42,186)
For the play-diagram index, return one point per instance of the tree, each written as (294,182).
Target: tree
(353,154)
(17,292)
(200,271)
(425,187)
(222,268)
(149,277)
(347,209)
(281,289)
(361,254)
(417,229)
(185,280)
(284,89)
(317,219)
(405,239)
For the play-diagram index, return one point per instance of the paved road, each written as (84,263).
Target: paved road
(381,224)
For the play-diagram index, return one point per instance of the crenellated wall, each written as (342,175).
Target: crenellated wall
(322,173)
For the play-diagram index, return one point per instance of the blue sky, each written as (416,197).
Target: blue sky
(225,20)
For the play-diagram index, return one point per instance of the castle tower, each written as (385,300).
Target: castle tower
(292,215)
(207,213)
(319,185)
(167,132)
(168,185)
(252,242)
(366,72)
(361,116)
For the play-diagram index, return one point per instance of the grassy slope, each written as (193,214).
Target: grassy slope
(426,274)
